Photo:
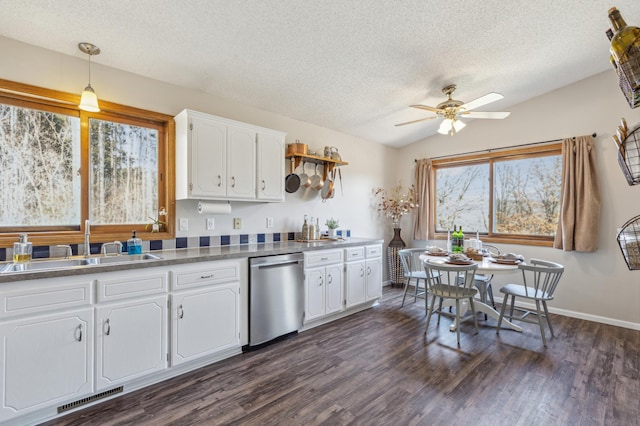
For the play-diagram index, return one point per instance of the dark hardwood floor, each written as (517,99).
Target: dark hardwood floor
(376,368)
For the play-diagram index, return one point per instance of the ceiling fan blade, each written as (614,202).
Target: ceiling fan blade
(484,114)
(415,121)
(425,107)
(482,100)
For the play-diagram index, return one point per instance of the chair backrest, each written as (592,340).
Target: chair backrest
(446,275)
(541,277)
(410,259)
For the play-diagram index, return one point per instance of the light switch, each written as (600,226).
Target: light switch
(269,222)
(237,223)
(210,223)
(184,224)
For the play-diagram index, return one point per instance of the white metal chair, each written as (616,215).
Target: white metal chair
(413,270)
(540,280)
(450,282)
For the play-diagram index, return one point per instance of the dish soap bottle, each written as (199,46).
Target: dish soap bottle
(22,249)
(305,229)
(134,244)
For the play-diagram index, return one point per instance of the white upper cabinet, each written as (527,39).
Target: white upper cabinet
(270,166)
(221,159)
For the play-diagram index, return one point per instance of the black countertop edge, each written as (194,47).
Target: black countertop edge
(192,255)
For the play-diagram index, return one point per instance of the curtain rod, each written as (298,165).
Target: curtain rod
(497,149)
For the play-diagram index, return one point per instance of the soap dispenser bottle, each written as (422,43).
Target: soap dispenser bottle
(22,249)
(134,244)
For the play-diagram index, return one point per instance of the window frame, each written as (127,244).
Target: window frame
(28,96)
(490,157)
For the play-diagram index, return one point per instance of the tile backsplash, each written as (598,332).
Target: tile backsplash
(43,252)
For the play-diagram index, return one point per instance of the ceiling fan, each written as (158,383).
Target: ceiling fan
(452,110)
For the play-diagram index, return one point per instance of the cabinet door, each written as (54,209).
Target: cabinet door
(334,289)
(130,340)
(314,294)
(204,322)
(208,158)
(355,283)
(374,278)
(45,360)
(270,167)
(241,163)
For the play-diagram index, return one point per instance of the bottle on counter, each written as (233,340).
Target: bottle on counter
(317,236)
(134,244)
(305,229)
(22,249)
(312,230)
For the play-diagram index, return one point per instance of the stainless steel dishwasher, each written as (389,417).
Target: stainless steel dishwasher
(276,296)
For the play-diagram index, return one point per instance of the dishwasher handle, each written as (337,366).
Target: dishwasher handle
(278,264)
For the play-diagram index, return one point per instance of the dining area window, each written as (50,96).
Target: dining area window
(510,195)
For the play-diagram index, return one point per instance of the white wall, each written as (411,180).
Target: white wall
(596,285)
(368,162)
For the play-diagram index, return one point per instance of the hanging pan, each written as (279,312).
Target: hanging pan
(316,180)
(327,188)
(292,181)
(305,179)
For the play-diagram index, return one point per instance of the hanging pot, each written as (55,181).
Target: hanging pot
(327,188)
(292,181)
(316,180)
(305,179)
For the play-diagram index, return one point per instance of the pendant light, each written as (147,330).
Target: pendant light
(89,100)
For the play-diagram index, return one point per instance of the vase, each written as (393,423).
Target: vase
(396,273)
(332,232)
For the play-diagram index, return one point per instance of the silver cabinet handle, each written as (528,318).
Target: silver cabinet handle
(233,181)
(78,333)
(108,324)
(180,312)
(329,279)
(264,185)
(369,271)
(204,277)
(319,281)
(362,272)
(219,180)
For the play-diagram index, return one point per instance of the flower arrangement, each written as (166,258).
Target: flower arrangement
(394,204)
(332,223)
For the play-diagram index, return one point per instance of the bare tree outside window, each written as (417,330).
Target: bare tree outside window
(525,190)
(124,173)
(39,160)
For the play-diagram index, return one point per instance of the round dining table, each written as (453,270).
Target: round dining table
(486,266)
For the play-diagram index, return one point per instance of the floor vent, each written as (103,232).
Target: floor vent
(83,401)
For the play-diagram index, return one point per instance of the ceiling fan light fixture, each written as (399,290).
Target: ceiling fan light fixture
(89,99)
(458,125)
(445,127)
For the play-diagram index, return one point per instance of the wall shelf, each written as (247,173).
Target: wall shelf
(327,163)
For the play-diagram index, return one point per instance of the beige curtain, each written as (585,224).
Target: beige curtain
(580,197)
(422,214)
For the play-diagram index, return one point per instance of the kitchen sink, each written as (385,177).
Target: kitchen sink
(41,265)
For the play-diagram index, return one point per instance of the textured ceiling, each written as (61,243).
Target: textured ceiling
(349,65)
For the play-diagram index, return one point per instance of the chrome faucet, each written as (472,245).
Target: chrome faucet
(87,243)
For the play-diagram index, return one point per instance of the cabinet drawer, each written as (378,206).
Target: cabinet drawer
(204,275)
(323,257)
(374,251)
(131,286)
(40,298)
(354,253)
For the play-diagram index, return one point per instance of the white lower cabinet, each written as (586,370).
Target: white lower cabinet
(323,283)
(131,340)
(46,360)
(205,320)
(363,274)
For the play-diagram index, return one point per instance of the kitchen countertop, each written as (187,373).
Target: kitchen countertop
(191,255)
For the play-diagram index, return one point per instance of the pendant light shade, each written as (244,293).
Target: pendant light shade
(89,100)
(450,126)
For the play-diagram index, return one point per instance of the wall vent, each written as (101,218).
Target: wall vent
(92,398)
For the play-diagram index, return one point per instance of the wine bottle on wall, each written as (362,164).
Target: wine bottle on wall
(625,47)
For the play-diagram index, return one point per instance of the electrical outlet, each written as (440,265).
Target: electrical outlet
(237,223)
(269,222)
(184,224)
(210,223)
